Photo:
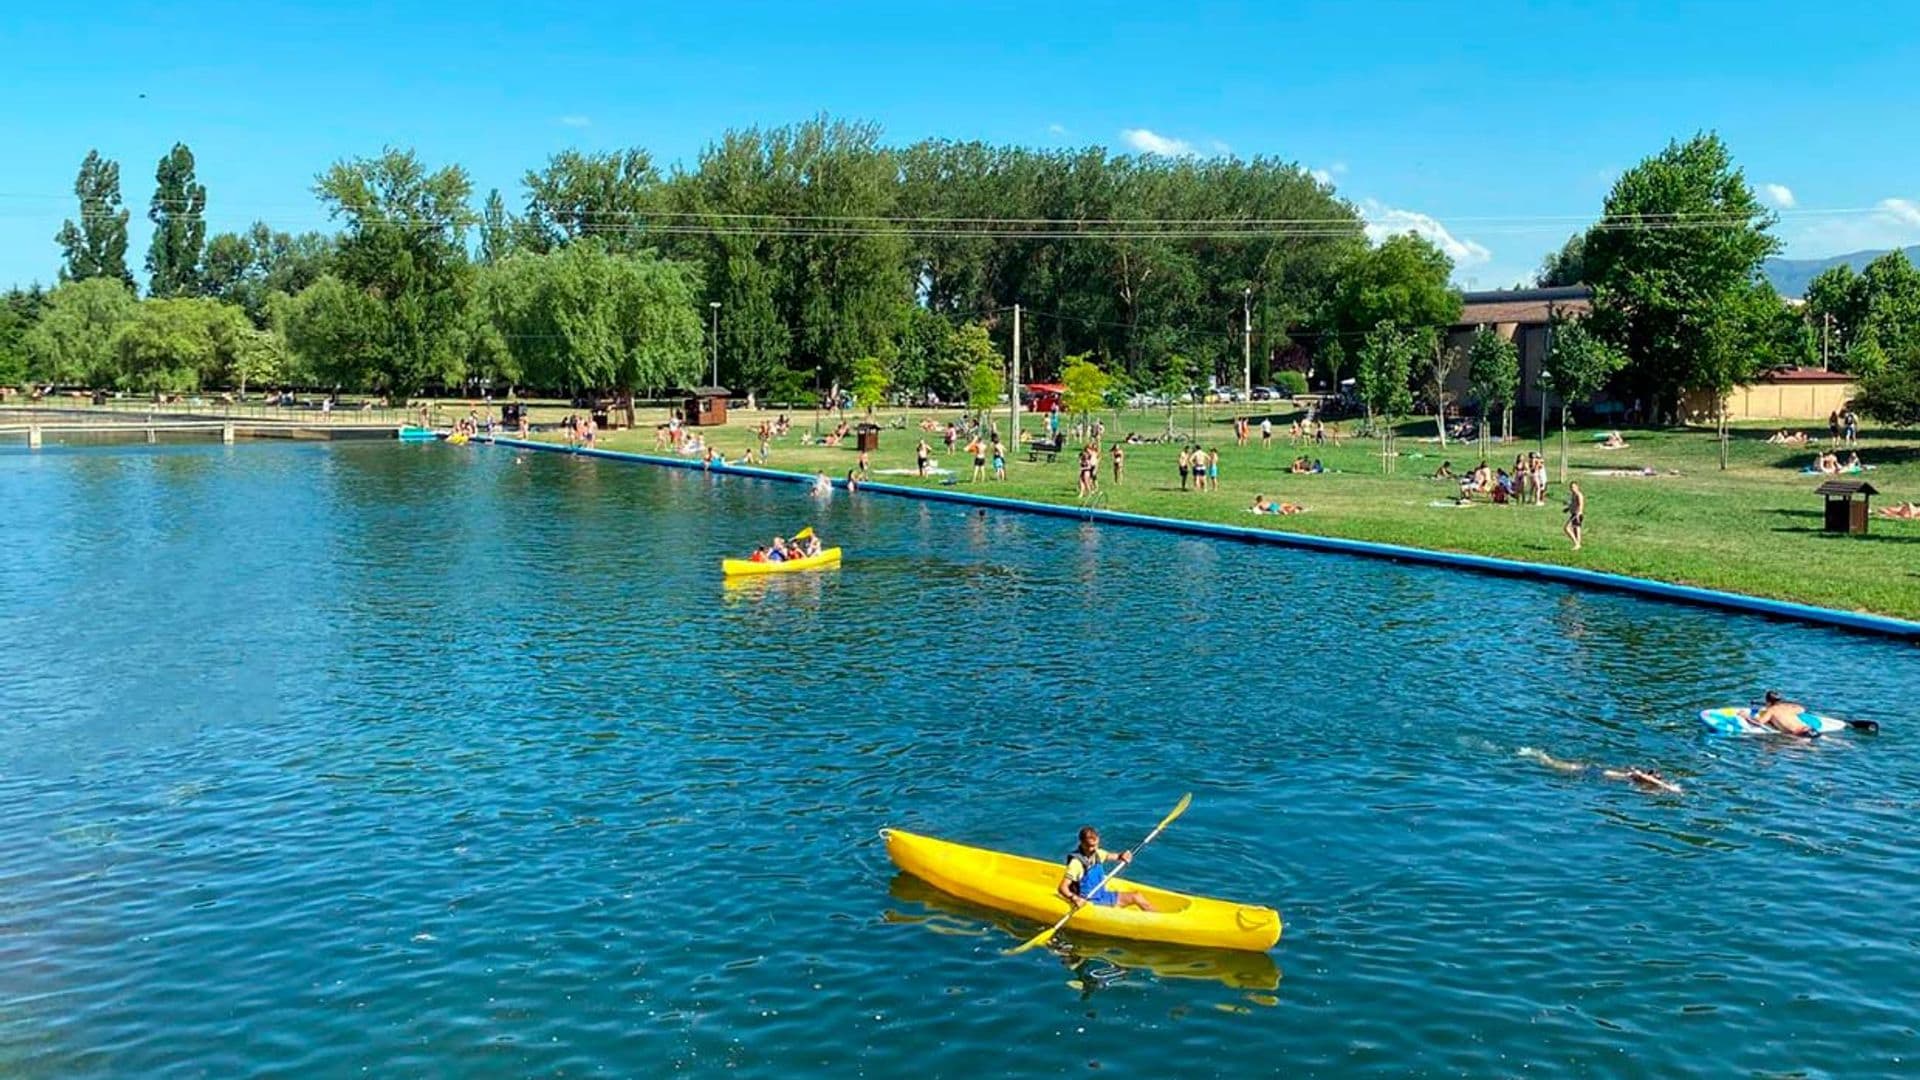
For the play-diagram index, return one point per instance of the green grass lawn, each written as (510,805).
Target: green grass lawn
(1754,528)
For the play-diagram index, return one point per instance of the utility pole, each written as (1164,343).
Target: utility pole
(714,306)
(1013,395)
(1826,328)
(1246,346)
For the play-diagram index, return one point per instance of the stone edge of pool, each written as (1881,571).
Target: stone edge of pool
(1565,575)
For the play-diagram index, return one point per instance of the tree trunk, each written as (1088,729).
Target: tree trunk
(1440,422)
(1723,434)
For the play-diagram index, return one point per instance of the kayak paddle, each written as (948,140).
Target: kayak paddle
(1047,935)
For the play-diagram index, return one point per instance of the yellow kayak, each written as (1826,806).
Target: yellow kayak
(740,567)
(1026,887)
(948,914)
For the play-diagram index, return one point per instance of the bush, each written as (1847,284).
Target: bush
(1291,383)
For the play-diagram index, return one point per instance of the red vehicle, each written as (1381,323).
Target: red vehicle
(1043,397)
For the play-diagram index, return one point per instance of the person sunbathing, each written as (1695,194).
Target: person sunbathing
(1444,472)
(1906,511)
(1613,442)
(1264,505)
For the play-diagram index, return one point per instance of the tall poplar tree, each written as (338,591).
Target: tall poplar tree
(97,245)
(179,221)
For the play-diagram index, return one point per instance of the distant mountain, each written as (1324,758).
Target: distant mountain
(1790,277)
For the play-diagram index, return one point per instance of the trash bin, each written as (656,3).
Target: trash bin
(867,437)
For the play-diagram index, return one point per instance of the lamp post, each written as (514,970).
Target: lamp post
(1541,381)
(714,305)
(1246,346)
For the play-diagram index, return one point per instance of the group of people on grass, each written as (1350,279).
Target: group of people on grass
(1200,465)
(1525,483)
(579,430)
(1828,463)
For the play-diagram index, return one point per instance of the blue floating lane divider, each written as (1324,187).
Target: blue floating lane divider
(1884,625)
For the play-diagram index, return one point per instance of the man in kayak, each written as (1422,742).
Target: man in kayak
(1783,716)
(1087,871)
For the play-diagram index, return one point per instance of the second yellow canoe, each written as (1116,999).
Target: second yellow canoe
(1026,887)
(744,567)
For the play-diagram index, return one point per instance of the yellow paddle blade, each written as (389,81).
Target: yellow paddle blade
(1038,940)
(1185,801)
(803,533)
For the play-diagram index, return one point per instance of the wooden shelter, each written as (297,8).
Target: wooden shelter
(706,406)
(1844,515)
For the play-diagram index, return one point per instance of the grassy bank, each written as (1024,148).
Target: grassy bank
(1754,528)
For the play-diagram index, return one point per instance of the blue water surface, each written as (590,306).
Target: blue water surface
(424,760)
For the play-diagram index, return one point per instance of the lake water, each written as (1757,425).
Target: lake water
(382,760)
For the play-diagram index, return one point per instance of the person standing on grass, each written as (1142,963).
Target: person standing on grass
(1089,469)
(1576,513)
(1119,463)
(1213,470)
(1186,465)
(999,458)
(1266,433)
(921,455)
(1539,480)
(979,452)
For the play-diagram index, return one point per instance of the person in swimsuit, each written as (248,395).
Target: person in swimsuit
(1576,513)
(921,455)
(979,452)
(1645,779)
(1186,463)
(1783,716)
(1119,464)
(1087,872)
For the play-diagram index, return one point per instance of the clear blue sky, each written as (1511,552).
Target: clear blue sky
(1501,124)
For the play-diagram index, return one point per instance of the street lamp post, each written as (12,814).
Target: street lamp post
(1246,346)
(714,305)
(1541,381)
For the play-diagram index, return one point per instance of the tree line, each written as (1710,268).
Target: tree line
(814,256)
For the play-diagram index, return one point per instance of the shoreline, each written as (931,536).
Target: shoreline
(1864,622)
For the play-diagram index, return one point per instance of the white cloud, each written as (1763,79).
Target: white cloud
(1890,223)
(576,121)
(1326,175)
(1779,195)
(1056,129)
(1384,221)
(1220,147)
(1150,142)
(1905,211)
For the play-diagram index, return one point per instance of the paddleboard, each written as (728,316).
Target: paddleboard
(1732,721)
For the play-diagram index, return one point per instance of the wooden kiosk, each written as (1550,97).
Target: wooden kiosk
(1844,515)
(706,406)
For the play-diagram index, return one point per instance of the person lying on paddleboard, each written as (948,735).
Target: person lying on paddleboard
(1783,716)
(1087,871)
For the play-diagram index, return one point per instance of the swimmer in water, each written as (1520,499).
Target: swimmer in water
(1644,779)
